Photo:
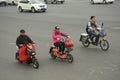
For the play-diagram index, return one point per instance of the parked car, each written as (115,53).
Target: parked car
(13,2)
(54,1)
(31,5)
(3,3)
(102,1)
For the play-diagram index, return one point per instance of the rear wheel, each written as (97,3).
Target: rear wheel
(35,64)
(111,2)
(69,58)
(85,43)
(104,45)
(20,9)
(13,3)
(17,56)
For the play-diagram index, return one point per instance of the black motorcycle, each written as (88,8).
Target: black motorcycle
(101,32)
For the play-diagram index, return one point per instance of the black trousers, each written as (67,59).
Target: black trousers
(60,45)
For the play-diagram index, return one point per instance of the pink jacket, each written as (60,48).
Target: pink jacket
(56,35)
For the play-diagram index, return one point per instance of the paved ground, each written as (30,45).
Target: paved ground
(89,63)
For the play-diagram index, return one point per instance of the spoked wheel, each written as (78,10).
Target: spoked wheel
(85,43)
(69,58)
(104,45)
(104,1)
(35,64)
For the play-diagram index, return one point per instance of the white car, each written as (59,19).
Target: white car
(102,1)
(31,5)
(3,3)
(13,2)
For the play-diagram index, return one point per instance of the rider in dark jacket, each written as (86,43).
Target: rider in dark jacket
(21,42)
(23,39)
(90,29)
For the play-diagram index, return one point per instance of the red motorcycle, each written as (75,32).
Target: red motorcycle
(29,54)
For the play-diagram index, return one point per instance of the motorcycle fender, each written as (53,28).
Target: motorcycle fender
(83,35)
(81,38)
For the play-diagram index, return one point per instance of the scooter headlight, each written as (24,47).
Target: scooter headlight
(33,53)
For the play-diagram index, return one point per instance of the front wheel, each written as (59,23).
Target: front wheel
(104,45)
(69,58)
(92,2)
(17,57)
(33,10)
(35,64)
(20,9)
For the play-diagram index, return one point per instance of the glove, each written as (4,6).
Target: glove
(68,37)
(58,38)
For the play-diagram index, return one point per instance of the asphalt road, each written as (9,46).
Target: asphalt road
(89,63)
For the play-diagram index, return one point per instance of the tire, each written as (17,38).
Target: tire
(92,2)
(17,56)
(20,9)
(104,45)
(85,43)
(62,2)
(44,11)
(35,64)
(46,1)
(52,2)
(33,10)
(3,4)
(52,56)
(104,1)
(13,3)
(69,58)
(111,2)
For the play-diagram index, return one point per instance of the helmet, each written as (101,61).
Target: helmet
(22,31)
(56,27)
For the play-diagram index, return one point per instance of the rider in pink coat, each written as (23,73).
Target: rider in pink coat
(56,35)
